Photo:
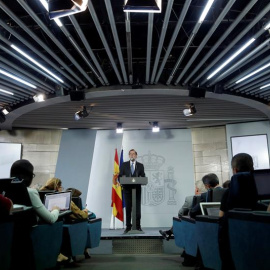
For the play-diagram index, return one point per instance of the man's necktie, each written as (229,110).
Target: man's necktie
(132,168)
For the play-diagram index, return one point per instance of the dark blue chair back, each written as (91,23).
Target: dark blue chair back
(74,238)
(190,237)
(207,237)
(93,233)
(78,202)
(242,191)
(249,234)
(178,232)
(6,236)
(47,241)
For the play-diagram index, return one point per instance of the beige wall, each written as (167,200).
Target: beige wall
(210,153)
(41,148)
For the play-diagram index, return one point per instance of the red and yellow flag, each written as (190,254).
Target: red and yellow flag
(117,191)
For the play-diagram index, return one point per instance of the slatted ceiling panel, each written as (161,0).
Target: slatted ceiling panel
(136,112)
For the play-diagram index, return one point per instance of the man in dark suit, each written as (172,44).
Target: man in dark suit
(132,168)
(238,195)
(211,182)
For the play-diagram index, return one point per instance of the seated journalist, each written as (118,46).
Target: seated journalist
(22,253)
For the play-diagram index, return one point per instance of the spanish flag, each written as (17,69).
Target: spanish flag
(117,191)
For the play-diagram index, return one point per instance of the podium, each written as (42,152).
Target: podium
(134,181)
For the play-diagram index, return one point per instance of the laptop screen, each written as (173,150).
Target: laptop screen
(60,199)
(210,208)
(262,182)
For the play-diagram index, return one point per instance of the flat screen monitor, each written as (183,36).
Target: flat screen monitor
(262,182)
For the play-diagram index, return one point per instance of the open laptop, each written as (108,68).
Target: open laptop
(262,182)
(60,199)
(210,208)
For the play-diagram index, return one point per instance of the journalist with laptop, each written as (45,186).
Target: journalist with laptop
(22,252)
(24,170)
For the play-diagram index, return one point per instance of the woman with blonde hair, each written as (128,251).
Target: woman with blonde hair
(55,184)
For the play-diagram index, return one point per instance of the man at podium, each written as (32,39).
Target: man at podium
(132,168)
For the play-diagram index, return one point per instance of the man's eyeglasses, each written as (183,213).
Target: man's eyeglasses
(34,175)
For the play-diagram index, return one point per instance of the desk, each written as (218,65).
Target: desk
(20,208)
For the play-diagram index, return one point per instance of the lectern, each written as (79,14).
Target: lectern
(134,181)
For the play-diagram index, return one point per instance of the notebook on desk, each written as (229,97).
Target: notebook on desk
(210,208)
(60,199)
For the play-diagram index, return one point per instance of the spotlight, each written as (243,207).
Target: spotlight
(119,128)
(39,97)
(190,111)
(62,8)
(155,127)
(6,110)
(81,114)
(148,6)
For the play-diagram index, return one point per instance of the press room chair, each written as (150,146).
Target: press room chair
(74,238)
(207,238)
(243,193)
(190,237)
(22,249)
(93,232)
(78,201)
(178,232)
(46,241)
(249,233)
(6,236)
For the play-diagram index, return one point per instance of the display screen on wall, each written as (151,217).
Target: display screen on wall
(256,146)
(9,152)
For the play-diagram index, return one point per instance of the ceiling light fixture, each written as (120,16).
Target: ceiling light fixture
(119,128)
(81,114)
(253,73)
(231,58)
(46,6)
(35,62)
(63,8)
(267,26)
(267,85)
(6,92)
(206,9)
(39,97)
(190,111)
(155,127)
(143,6)
(16,78)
